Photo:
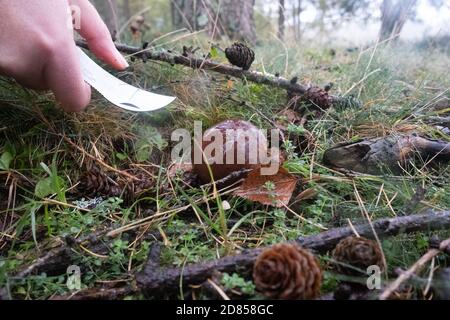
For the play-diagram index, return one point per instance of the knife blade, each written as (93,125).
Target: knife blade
(119,92)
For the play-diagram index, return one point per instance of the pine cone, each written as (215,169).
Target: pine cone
(94,182)
(359,253)
(240,55)
(137,187)
(316,96)
(319,97)
(287,271)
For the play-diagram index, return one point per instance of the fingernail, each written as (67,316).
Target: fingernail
(121,60)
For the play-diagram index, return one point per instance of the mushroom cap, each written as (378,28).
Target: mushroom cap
(240,145)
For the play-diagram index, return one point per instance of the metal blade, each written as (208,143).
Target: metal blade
(118,92)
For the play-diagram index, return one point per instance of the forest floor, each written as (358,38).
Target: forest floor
(45,153)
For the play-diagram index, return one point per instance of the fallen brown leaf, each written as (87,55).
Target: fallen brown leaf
(275,190)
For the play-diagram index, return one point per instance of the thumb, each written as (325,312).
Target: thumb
(97,35)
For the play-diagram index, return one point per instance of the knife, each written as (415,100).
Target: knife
(117,91)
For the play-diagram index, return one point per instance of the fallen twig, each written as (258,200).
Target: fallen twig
(57,256)
(99,293)
(154,280)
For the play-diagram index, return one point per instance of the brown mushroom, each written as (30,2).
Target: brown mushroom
(240,146)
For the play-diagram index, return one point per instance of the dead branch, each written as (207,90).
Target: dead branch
(207,64)
(155,280)
(99,293)
(390,153)
(59,256)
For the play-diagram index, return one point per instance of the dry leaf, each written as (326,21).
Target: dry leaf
(275,190)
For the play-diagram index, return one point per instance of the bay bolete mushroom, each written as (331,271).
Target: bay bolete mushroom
(228,147)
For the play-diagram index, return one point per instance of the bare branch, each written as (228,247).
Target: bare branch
(206,64)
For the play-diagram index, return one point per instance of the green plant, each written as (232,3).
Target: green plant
(149,139)
(53,184)
(5,160)
(235,281)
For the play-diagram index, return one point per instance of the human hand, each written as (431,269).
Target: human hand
(37,47)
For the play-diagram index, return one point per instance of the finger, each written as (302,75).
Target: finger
(97,35)
(63,76)
(26,74)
